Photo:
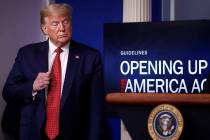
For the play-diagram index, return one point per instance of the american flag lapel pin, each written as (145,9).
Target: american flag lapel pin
(77,57)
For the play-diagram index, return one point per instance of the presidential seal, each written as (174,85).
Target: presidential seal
(165,122)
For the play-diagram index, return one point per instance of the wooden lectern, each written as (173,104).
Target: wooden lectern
(134,110)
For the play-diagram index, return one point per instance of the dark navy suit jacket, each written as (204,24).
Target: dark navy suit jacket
(82,102)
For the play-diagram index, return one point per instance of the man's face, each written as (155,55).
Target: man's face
(58,28)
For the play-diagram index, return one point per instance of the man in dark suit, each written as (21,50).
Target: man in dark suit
(59,94)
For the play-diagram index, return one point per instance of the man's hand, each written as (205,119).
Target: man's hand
(42,81)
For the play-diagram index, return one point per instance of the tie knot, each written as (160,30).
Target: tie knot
(58,50)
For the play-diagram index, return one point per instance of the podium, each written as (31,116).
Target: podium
(134,110)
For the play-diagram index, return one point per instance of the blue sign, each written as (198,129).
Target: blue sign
(160,57)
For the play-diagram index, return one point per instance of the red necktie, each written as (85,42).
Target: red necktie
(53,98)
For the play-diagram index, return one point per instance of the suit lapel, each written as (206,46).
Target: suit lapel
(73,65)
(42,57)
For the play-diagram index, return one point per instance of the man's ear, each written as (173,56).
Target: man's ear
(44,29)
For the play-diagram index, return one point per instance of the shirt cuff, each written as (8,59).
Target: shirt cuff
(34,95)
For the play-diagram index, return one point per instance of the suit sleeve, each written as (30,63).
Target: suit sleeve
(17,88)
(97,112)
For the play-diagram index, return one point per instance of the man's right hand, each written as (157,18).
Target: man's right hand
(42,81)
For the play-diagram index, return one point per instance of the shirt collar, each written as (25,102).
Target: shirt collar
(52,47)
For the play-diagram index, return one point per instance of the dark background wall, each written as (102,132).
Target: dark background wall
(192,9)
(186,9)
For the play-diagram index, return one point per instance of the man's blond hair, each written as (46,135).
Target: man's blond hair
(60,8)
